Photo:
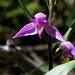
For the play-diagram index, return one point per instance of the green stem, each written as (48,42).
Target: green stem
(50,41)
(50,52)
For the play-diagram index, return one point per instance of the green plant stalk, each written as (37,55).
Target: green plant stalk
(50,57)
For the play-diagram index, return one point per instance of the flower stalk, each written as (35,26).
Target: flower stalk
(50,56)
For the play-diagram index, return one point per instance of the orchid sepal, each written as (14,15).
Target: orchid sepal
(28,29)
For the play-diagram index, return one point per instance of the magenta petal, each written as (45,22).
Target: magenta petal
(28,29)
(52,31)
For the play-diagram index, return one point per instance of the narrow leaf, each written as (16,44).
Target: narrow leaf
(25,10)
(63,69)
(69,32)
(47,2)
(5,4)
(33,70)
(52,1)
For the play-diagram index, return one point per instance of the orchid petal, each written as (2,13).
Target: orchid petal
(52,31)
(40,15)
(28,29)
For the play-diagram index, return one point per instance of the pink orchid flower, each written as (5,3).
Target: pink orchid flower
(38,25)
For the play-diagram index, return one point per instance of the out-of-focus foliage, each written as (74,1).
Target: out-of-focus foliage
(32,7)
(1,29)
(15,12)
(5,4)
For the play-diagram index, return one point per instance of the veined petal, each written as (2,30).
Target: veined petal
(28,29)
(52,31)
